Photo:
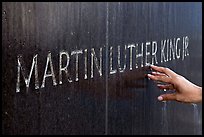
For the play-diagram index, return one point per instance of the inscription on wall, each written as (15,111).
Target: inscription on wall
(140,55)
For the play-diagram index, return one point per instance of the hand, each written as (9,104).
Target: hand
(185,91)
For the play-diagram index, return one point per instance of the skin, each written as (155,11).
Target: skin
(185,91)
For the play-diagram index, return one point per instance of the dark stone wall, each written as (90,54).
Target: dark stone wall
(119,103)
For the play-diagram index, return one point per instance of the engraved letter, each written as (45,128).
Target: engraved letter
(25,76)
(77,52)
(163,43)
(131,46)
(172,49)
(186,46)
(119,59)
(154,51)
(49,60)
(85,64)
(167,48)
(64,68)
(146,53)
(177,52)
(94,59)
(111,62)
(183,48)
(139,55)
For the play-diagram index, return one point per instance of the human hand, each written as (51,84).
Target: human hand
(185,91)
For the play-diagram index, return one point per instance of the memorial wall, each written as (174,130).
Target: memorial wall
(80,68)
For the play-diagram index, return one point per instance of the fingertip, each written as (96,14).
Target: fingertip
(153,67)
(159,86)
(160,98)
(154,72)
(149,75)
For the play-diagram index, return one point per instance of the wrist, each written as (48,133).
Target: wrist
(199,95)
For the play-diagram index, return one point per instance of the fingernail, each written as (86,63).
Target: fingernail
(148,76)
(160,98)
(154,72)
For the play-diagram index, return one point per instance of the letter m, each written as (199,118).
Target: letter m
(26,77)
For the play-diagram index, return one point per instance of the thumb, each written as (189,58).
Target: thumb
(166,97)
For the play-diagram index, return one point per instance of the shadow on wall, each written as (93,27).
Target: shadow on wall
(119,84)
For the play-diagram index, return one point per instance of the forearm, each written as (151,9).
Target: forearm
(197,95)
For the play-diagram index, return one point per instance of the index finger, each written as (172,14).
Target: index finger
(167,71)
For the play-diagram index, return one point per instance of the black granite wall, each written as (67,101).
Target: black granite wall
(105,50)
